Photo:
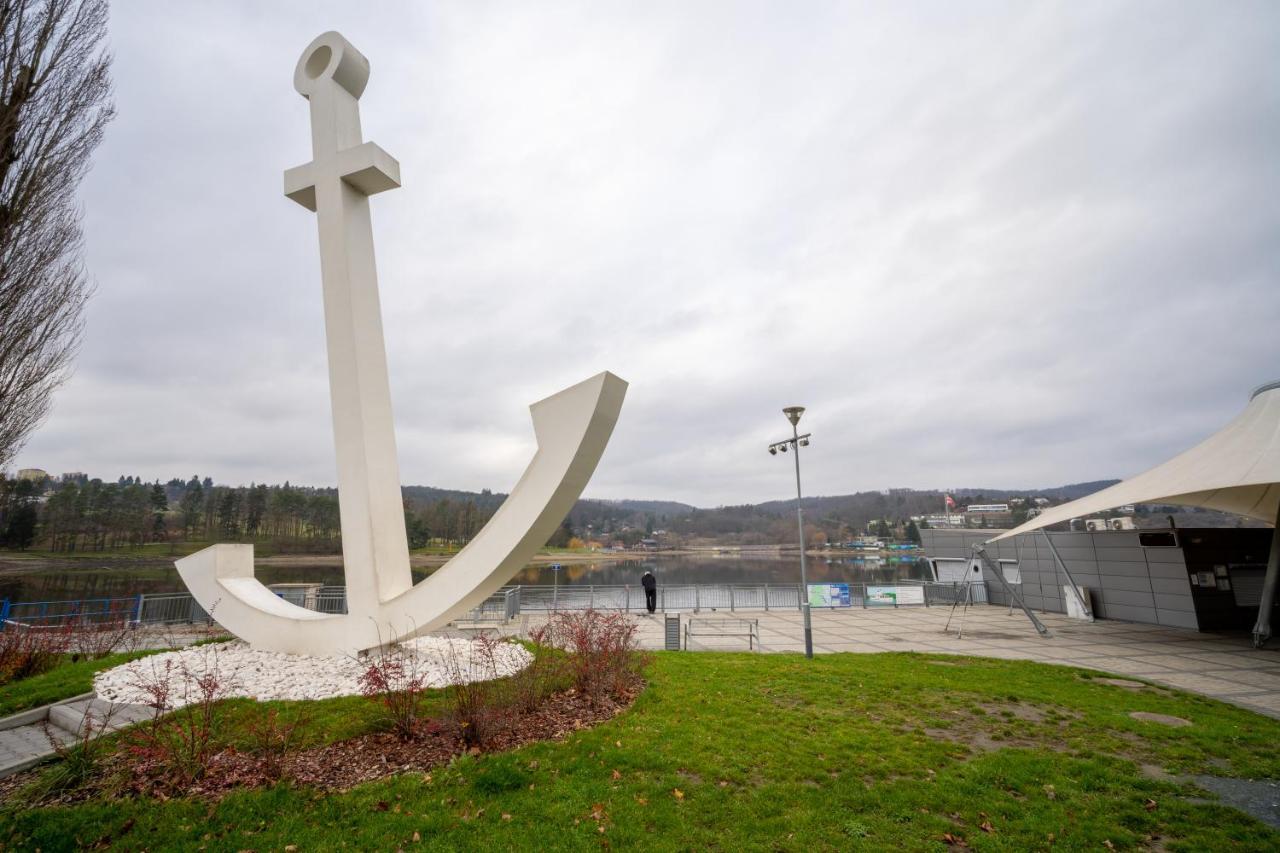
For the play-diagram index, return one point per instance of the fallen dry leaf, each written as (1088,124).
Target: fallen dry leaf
(506,816)
(679,795)
(616,775)
(986,826)
(417,836)
(1151,805)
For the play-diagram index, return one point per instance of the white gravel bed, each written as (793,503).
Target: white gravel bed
(238,670)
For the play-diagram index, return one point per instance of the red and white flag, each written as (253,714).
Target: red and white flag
(950,503)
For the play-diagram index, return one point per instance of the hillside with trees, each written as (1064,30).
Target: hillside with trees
(74,513)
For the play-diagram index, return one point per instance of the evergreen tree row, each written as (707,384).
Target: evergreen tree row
(81,514)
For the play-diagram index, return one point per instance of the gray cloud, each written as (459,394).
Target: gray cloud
(989,244)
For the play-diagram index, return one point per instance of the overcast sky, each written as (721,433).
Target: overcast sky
(1014,244)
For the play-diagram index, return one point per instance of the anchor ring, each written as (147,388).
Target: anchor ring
(331,57)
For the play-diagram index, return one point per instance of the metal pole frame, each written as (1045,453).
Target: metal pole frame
(1060,563)
(1262,628)
(804,572)
(994,568)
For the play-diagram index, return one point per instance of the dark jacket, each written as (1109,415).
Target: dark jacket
(648,581)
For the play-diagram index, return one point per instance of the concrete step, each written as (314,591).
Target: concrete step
(26,746)
(25,737)
(71,716)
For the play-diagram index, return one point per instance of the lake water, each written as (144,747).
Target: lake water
(81,578)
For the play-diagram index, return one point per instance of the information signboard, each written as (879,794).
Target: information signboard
(911,595)
(829,595)
(878,596)
(894,596)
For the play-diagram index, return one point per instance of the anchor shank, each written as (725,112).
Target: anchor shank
(374,545)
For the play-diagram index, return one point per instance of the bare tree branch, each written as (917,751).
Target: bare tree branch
(55,103)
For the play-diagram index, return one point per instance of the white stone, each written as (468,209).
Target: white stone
(266,676)
(572,427)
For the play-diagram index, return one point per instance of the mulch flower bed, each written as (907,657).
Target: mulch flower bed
(342,765)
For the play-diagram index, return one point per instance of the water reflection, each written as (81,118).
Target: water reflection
(76,580)
(728,569)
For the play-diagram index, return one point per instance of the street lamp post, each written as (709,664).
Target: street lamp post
(794,443)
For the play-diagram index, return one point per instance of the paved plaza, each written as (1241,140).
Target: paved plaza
(1222,666)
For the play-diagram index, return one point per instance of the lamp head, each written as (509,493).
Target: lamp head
(793,413)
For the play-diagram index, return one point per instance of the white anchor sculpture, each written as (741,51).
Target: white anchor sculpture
(571,427)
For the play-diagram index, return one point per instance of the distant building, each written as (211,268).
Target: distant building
(1122,523)
(988,515)
(36,475)
(942,521)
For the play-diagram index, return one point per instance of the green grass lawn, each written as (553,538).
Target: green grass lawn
(148,550)
(62,682)
(768,752)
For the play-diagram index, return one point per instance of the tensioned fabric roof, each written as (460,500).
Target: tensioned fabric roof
(1237,469)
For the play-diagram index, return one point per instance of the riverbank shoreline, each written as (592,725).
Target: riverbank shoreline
(26,562)
(19,562)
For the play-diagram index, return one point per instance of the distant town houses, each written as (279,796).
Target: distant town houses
(1016,510)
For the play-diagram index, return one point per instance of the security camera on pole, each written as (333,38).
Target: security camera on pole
(796,442)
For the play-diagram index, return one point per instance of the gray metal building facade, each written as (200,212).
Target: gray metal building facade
(1126,579)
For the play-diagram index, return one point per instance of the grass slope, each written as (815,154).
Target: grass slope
(771,752)
(64,681)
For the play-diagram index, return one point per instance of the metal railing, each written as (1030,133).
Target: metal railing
(507,603)
(171,608)
(51,613)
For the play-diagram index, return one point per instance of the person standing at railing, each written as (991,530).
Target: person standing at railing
(650,584)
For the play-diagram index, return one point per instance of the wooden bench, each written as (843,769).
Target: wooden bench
(699,626)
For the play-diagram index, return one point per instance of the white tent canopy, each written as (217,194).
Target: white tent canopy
(1237,469)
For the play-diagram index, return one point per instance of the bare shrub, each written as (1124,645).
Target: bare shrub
(604,655)
(93,640)
(30,650)
(272,740)
(533,683)
(174,747)
(397,682)
(474,694)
